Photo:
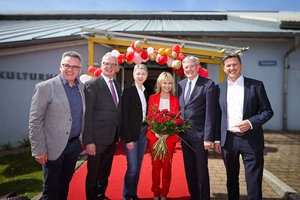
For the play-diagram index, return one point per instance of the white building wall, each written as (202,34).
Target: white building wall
(16,93)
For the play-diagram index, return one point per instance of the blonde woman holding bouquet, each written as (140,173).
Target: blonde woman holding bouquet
(164,99)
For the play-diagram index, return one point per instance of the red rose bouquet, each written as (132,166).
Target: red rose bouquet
(162,123)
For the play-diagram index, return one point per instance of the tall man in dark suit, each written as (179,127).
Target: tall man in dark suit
(198,103)
(102,123)
(244,108)
(55,124)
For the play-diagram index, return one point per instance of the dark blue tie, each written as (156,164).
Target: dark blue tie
(188,93)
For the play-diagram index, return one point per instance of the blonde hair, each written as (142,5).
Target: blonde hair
(162,77)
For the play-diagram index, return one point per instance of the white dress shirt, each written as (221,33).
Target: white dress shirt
(143,100)
(192,86)
(235,103)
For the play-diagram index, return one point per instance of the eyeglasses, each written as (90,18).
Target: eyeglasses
(110,64)
(73,67)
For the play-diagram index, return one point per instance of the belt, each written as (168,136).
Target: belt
(239,134)
(73,139)
(144,123)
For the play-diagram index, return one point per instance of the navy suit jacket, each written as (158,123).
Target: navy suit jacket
(102,118)
(257,109)
(200,112)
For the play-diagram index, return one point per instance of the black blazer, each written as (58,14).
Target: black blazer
(257,109)
(132,114)
(102,118)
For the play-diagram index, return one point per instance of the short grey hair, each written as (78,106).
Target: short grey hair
(109,54)
(73,54)
(194,59)
(140,66)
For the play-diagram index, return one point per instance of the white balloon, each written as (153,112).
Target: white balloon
(130,49)
(150,50)
(84,78)
(115,53)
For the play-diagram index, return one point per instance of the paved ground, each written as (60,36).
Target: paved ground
(282,159)
(281,175)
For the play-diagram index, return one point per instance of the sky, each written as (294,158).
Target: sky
(44,6)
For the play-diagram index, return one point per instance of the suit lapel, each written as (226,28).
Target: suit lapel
(246,93)
(224,88)
(61,93)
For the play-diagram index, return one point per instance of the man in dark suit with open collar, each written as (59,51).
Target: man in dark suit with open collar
(244,108)
(198,103)
(102,124)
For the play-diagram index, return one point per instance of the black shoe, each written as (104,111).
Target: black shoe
(135,197)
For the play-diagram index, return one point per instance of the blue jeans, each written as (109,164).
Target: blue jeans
(134,163)
(58,173)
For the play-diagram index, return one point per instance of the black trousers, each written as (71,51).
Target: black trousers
(58,173)
(98,171)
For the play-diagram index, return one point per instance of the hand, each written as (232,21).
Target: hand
(218,148)
(243,126)
(130,146)
(91,149)
(165,136)
(42,158)
(208,145)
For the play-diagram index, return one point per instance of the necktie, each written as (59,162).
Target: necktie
(113,92)
(188,93)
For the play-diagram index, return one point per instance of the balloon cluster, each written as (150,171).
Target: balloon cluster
(172,57)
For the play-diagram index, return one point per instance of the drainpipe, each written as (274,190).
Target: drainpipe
(285,82)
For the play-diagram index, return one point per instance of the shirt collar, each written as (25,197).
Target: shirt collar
(194,80)
(239,81)
(65,82)
(137,87)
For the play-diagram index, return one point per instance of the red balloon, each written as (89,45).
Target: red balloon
(121,58)
(203,72)
(144,54)
(181,56)
(179,71)
(97,72)
(129,56)
(92,69)
(162,59)
(132,46)
(176,48)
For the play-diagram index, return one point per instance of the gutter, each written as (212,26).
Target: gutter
(286,67)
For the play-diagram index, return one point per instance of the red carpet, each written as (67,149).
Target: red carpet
(178,189)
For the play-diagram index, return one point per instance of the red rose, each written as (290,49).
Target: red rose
(160,120)
(178,121)
(167,118)
(164,111)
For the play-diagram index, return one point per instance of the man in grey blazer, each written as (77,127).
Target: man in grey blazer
(198,103)
(102,124)
(243,108)
(55,124)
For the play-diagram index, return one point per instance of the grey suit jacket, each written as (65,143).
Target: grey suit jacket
(50,118)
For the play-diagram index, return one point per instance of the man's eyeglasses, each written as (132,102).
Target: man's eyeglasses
(109,64)
(73,67)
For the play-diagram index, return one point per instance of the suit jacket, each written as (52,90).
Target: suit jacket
(132,114)
(257,109)
(153,103)
(200,111)
(102,118)
(50,118)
